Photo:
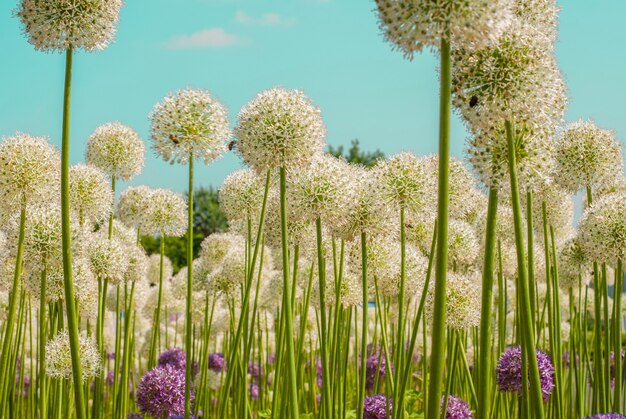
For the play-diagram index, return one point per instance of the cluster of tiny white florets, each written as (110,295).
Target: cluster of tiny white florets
(411,25)
(42,234)
(90,193)
(616,185)
(59,359)
(404,180)
(559,209)
(166,214)
(216,246)
(126,234)
(462,302)
(57,25)
(230,275)
(279,128)
(603,229)
(137,263)
(189,122)
(586,155)
(54,282)
(29,171)
(117,150)
(133,205)
(299,229)
(542,15)
(322,190)
(153,270)
(573,264)
(368,212)
(241,195)
(462,245)
(108,258)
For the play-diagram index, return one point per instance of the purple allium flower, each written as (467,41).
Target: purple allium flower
(110,378)
(612,366)
(319,377)
(271,357)
(161,392)
(174,357)
(457,408)
(110,355)
(606,416)
(217,362)
(509,372)
(375,364)
(255,370)
(253,388)
(375,407)
(134,416)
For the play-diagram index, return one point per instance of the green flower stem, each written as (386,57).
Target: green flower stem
(128,331)
(607,338)
(399,349)
(43,398)
(326,398)
(188,322)
(291,360)
(530,253)
(365,302)
(527,331)
(6,373)
(557,321)
(502,303)
(484,370)
(70,304)
(438,332)
(617,341)
(157,315)
(452,359)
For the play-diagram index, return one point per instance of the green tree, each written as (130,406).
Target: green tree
(208,219)
(356,155)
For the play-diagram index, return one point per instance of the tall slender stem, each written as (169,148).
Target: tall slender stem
(484,373)
(188,335)
(399,352)
(364,324)
(70,304)
(438,332)
(43,333)
(527,331)
(326,400)
(617,342)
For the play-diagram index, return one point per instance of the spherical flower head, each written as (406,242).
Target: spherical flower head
(586,155)
(227,278)
(241,195)
(462,245)
(167,213)
(411,25)
(603,229)
(559,208)
(217,362)
(375,407)
(57,25)
(573,264)
(133,205)
(117,150)
(279,128)
(509,372)
(175,357)
(161,392)
(376,367)
(29,171)
(299,230)
(405,181)
(322,190)
(457,408)
(108,258)
(539,14)
(189,122)
(462,303)
(216,246)
(154,268)
(59,360)
(606,416)
(137,263)
(90,193)
(42,234)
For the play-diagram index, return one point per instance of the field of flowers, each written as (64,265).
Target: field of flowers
(422,287)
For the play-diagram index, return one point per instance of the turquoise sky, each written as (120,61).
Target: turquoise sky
(332,49)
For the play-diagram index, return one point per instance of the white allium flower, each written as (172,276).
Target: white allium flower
(117,150)
(166,214)
(463,301)
(322,190)
(42,234)
(279,127)
(241,195)
(189,122)
(573,265)
(29,171)
(515,80)
(90,193)
(154,268)
(300,231)
(57,25)
(603,229)
(587,155)
(412,24)
(463,245)
(201,279)
(216,246)
(168,300)
(59,359)
(542,15)
(271,292)
(137,263)
(133,205)
(368,212)
(559,209)
(404,180)
(124,233)
(55,290)
(616,185)
(108,258)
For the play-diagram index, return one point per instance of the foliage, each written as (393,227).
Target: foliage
(355,155)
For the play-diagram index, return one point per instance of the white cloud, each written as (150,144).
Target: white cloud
(207,38)
(266,19)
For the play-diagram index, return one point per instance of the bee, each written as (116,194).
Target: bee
(174,139)
(473,101)
(232,145)
(408,225)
